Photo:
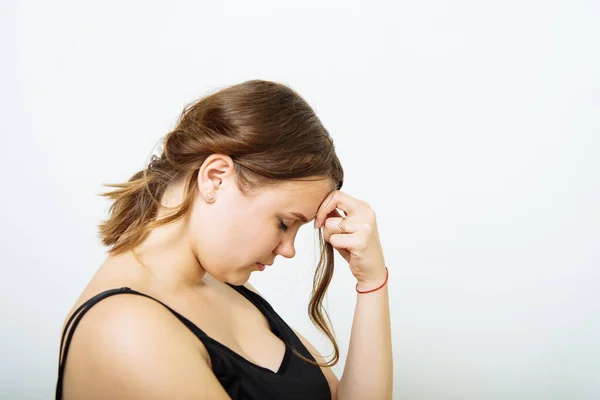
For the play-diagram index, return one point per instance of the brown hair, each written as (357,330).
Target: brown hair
(271,134)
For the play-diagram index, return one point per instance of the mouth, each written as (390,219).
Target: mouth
(261,267)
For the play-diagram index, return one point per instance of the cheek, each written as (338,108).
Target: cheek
(257,240)
(240,243)
(228,239)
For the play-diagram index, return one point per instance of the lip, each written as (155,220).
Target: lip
(261,267)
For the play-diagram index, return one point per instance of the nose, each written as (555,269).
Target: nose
(286,248)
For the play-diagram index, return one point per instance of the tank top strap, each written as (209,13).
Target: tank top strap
(254,298)
(76,317)
(277,325)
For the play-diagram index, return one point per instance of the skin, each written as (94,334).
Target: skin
(186,264)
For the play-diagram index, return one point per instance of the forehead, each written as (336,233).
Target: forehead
(308,194)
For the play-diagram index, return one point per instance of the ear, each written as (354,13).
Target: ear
(216,171)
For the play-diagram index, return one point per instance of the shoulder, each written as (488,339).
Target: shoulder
(332,379)
(130,346)
(119,318)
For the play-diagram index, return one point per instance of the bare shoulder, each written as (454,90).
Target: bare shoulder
(332,379)
(129,346)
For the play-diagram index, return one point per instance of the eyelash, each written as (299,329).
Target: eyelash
(282,226)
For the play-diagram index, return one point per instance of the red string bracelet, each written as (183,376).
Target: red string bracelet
(369,291)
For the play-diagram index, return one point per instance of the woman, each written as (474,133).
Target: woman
(170,313)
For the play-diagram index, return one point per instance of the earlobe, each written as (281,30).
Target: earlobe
(210,197)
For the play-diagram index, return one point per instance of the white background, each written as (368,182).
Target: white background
(471,127)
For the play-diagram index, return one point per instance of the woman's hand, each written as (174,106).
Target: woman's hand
(360,244)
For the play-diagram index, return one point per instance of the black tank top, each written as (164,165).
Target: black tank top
(241,379)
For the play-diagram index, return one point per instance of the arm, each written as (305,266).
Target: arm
(129,347)
(368,372)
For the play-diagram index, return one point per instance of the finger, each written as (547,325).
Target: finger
(337,199)
(330,225)
(343,242)
(342,245)
(333,225)
(335,213)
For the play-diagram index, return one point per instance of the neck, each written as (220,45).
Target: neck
(166,253)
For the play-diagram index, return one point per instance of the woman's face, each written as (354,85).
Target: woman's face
(235,232)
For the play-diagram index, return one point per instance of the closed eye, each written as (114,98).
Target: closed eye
(282,226)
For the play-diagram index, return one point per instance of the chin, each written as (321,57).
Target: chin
(239,283)
(240,279)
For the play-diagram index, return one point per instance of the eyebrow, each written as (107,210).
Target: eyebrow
(301,217)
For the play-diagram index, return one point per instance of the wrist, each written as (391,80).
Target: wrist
(373,283)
